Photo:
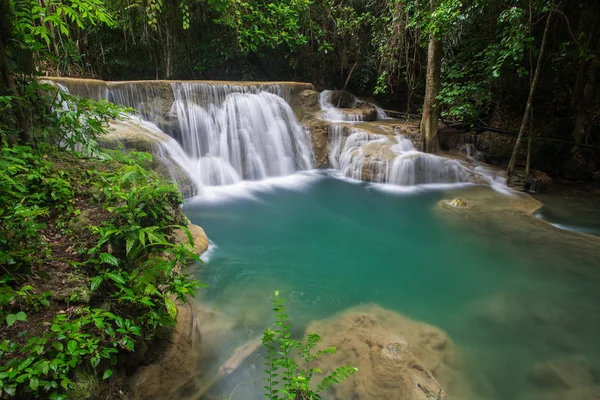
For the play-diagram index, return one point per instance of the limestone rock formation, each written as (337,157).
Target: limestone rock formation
(341,99)
(319,132)
(397,358)
(132,135)
(306,104)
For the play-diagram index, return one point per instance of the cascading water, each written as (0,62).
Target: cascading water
(247,136)
(378,158)
(334,112)
(228,132)
(389,158)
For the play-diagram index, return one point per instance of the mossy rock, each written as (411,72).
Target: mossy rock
(86,386)
(80,223)
(71,286)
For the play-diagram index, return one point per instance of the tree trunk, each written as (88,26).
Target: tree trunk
(350,74)
(431,106)
(536,77)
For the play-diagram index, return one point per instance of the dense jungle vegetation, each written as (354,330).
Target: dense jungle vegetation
(524,66)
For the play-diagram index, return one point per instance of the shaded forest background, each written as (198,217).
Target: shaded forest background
(376,49)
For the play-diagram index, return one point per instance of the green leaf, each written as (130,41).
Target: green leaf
(96,282)
(72,346)
(171,309)
(129,245)
(109,259)
(34,383)
(107,374)
(116,277)
(12,318)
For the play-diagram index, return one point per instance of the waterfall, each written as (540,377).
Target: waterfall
(247,136)
(340,112)
(229,132)
(333,113)
(379,158)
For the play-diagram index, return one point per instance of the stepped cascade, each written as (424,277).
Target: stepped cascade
(380,158)
(360,153)
(229,132)
(220,133)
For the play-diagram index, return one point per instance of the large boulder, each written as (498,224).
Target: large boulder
(578,166)
(397,358)
(306,104)
(199,239)
(497,148)
(365,112)
(341,99)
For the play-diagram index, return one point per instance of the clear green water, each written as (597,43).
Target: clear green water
(508,297)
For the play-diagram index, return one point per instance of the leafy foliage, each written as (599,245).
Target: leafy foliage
(133,266)
(285,379)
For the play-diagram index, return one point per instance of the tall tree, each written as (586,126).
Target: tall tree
(439,23)
(431,105)
(527,114)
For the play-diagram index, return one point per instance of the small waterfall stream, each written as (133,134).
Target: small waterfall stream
(246,137)
(394,160)
(391,158)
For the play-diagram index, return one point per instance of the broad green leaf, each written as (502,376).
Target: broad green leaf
(109,259)
(72,346)
(171,309)
(116,277)
(107,374)
(96,282)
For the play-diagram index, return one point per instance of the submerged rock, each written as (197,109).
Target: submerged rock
(567,373)
(397,358)
(569,378)
(458,203)
(175,365)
